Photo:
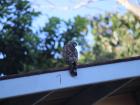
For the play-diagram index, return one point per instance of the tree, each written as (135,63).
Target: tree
(22,50)
(17,41)
(58,32)
(116,36)
(131,7)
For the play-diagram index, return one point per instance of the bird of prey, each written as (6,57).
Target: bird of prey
(70,55)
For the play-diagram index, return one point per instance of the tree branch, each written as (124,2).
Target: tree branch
(131,7)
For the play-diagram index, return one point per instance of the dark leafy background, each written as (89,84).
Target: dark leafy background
(22,50)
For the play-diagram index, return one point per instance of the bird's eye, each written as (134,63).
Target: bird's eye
(75,44)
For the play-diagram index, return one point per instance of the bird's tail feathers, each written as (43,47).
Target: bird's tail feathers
(73,69)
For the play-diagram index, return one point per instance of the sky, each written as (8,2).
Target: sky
(67,9)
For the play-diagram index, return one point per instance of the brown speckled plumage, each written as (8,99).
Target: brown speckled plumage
(70,55)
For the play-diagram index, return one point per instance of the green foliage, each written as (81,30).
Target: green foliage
(58,32)
(23,50)
(17,40)
(116,36)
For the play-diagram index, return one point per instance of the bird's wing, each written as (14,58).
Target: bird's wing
(66,52)
(76,53)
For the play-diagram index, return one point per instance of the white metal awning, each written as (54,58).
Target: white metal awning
(62,79)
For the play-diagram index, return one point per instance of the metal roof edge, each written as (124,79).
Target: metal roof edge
(66,68)
(62,79)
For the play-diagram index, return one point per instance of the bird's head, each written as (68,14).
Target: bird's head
(73,43)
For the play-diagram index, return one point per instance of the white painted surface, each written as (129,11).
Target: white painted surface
(62,79)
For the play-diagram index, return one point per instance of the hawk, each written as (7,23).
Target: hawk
(70,55)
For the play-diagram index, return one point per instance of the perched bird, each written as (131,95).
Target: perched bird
(70,55)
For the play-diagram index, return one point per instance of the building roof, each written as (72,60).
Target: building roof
(66,68)
(57,87)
